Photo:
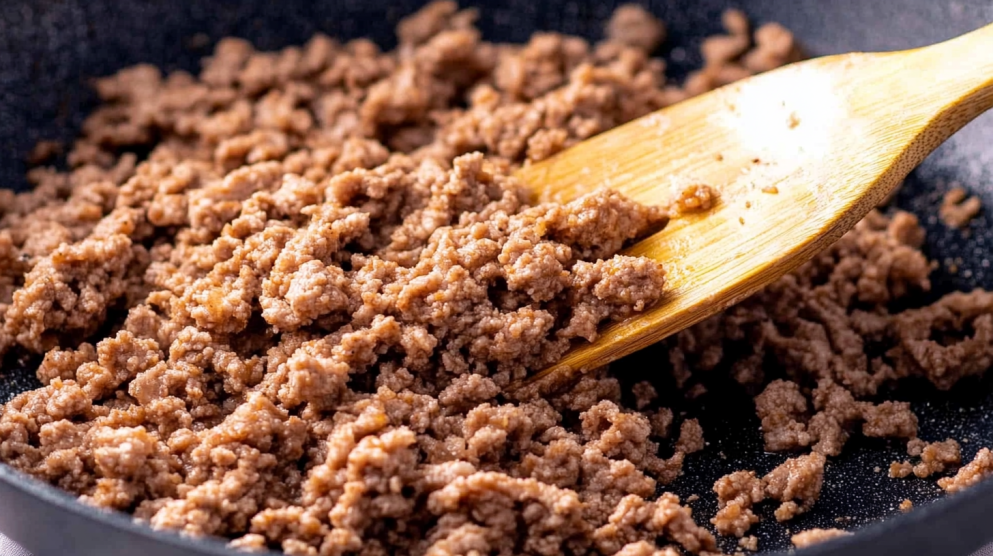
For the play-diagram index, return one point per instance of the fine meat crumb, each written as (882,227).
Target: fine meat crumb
(634,26)
(796,484)
(736,494)
(44,151)
(906,505)
(814,536)
(958,208)
(644,394)
(901,469)
(750,542)
(977,470)
(661,422)
(935,457)
(694,198)
(690,437)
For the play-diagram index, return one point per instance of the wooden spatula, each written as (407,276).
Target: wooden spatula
(798,156)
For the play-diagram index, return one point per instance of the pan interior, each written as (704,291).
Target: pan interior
(50,50)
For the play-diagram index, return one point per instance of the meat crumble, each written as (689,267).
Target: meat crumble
(811,537)
(750,542)
(294,324)
(935,457)
(981,467)
(958,208)
(796,484)
(694,198)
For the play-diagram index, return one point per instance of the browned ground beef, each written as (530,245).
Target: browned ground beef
(958,209)
(981,467)
(295,323)
(750,542)
(935,457)
(796,484)
(814,536)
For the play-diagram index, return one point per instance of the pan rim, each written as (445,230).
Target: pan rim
(55,497)
(941,515)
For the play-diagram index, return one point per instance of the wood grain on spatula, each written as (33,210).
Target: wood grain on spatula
(798,156)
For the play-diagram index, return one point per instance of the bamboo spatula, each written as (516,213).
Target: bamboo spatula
(798,156)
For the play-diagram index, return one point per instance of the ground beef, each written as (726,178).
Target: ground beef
(830,328)
(906,505)
(44,151)
(901,469)
(786,426)
(815,536)
(958,208)
(739,53)
(644,394)
(978,469)
(690,437)
(935,457)
(295,323)
(736,494)
(633,26)
(694,198)
(796,484)
(750,542)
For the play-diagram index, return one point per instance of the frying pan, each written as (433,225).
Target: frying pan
(50,49)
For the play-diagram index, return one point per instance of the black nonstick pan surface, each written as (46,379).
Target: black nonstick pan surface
(49,49)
